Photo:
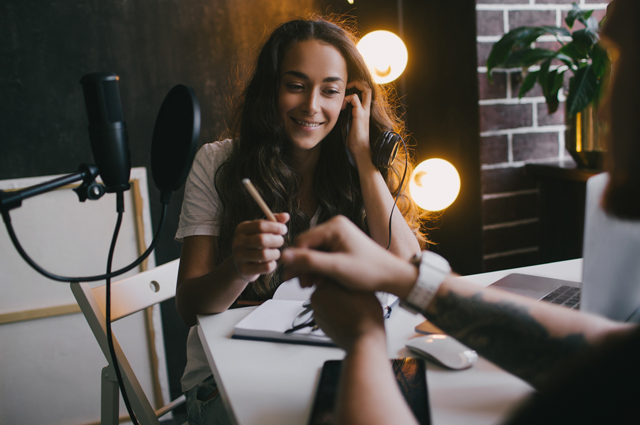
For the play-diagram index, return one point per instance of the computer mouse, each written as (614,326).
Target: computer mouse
(445,350)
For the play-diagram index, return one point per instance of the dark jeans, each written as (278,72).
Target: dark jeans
(204,404)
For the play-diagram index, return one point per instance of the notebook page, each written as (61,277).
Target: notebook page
(275,317)
(291,290)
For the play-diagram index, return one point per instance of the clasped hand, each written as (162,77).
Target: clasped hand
(347,267)
(255,247)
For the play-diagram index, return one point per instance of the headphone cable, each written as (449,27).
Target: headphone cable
(401,188)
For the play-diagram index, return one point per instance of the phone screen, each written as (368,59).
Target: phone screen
(410,375)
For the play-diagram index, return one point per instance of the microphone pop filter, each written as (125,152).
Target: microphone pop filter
(175,139)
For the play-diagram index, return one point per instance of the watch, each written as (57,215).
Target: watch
(432,271)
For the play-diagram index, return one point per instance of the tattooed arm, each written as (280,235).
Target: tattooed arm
(527,338)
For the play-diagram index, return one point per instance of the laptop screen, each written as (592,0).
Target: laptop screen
(611,253)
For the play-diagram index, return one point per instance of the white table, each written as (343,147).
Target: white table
(274,383)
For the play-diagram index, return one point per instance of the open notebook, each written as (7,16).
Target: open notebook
(270,320)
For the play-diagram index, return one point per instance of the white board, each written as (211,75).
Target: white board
(50,367)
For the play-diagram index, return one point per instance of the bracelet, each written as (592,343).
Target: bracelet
(432,271)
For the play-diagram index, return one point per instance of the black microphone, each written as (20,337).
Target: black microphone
(107,129)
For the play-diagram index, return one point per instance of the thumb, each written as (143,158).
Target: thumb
(307,261)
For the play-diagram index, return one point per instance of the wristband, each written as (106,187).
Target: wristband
(432,271)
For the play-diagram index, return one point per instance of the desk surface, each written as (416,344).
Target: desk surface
(274,383)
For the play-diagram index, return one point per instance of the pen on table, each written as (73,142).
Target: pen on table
(256,196)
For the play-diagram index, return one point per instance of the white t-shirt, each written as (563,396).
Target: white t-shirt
(199,217)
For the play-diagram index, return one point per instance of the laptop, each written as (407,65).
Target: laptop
(610,271)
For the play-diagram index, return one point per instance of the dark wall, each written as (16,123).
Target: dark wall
(48,46)
(439,91)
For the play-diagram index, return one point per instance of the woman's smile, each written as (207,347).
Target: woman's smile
(308,125)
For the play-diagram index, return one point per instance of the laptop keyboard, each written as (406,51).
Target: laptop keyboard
(568,296)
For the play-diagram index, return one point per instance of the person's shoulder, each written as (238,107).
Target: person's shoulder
(216,148)
(215,153)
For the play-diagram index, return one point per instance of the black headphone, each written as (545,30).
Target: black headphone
(385,149)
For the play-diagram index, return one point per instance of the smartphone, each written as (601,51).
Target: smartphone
(411,377)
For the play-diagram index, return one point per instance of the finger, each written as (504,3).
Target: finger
(354,100)
(325,235)
(248,255)
(257,241)
(282,217)
(366,93)
(261,226)
(256,269)
(306,280)
(336,266)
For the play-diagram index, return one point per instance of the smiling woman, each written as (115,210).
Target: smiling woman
(291,139)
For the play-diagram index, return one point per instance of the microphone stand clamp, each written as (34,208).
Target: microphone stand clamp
(89,189)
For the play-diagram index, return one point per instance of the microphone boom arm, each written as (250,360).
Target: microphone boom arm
(87,173)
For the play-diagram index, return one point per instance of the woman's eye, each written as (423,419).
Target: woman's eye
(332,92)
(294,86)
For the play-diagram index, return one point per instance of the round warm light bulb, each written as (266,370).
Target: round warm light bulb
(434,184)
(385,55)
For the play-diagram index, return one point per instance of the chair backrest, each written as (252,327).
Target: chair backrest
(141,291)
(128,296)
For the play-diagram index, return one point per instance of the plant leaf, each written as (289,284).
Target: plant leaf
(555,80)
(582,90)
(572,15)
(579,14)
(524,58)
(566,60)
(557,31)
(542,76)
(585,17)
(573,52)
(528,83)
(517,38)
(584,40)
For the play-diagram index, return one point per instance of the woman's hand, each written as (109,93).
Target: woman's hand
(254,249)
(358,137)
(339,250)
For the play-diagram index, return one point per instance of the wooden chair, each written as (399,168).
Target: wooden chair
(128,296)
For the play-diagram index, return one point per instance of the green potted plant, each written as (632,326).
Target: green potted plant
(580,54)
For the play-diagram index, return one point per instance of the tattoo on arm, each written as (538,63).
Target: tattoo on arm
(506,334)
